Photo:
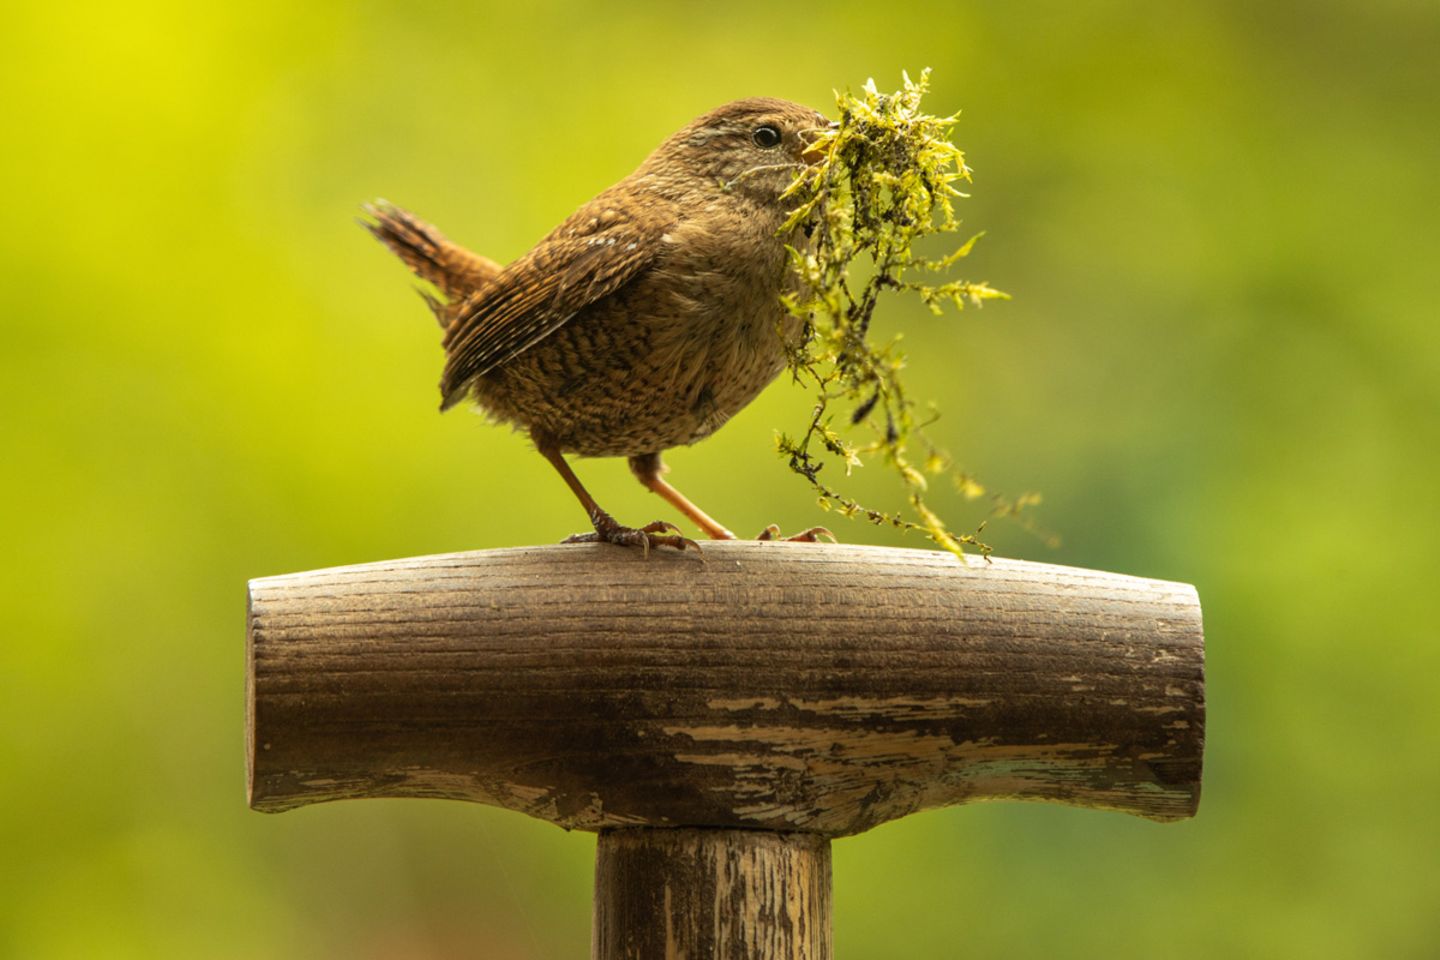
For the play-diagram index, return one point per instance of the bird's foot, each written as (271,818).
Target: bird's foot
(812,535)
(657,534)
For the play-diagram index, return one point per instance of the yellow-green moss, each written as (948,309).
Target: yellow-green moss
(887,178)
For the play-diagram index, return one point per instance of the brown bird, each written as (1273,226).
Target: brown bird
(645,320)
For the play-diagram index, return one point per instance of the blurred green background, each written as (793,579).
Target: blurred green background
(1220,366)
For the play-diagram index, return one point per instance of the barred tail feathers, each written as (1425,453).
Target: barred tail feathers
(455,271)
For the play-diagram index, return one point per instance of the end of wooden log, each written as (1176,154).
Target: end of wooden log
(781,686)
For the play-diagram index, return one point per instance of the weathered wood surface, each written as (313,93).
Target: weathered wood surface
(687,893)
(777,686)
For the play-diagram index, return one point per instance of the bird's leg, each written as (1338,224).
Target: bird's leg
(648,469)
(607,530)
(811,535)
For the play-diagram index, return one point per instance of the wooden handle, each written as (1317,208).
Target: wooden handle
(770,685)
(726,894)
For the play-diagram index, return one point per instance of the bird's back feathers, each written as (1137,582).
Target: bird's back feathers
(591,255)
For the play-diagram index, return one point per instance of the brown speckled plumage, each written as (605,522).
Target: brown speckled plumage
(642,322)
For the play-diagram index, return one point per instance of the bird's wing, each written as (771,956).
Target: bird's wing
(589,256)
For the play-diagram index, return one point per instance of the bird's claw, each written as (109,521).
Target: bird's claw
(657,534)
(813,535)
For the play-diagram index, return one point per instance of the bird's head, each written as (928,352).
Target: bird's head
(752,147)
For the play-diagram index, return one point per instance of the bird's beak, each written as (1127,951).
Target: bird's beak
(816,151)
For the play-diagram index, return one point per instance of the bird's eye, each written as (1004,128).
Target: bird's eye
(767,136)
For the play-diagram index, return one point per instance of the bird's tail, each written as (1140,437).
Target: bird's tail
(455,271)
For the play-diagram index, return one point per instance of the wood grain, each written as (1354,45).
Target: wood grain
(774,686)
(687,893)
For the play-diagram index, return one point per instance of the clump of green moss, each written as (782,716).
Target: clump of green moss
(887,179)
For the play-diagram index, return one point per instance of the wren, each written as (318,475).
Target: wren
(645,320)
